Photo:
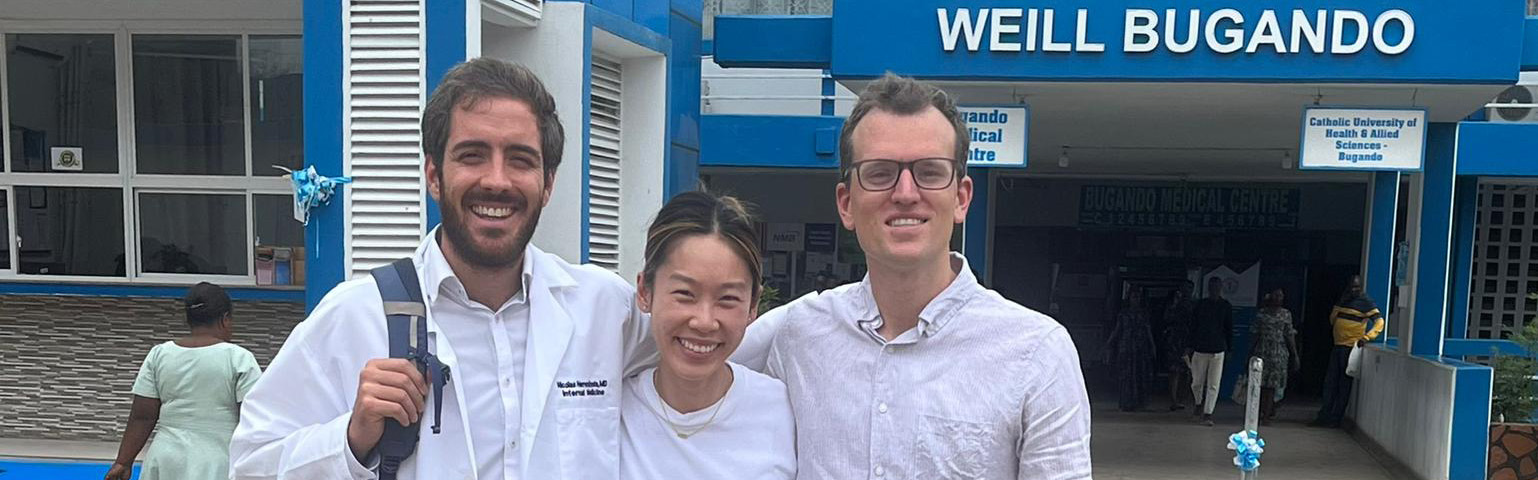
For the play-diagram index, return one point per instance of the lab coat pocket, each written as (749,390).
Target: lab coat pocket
(589,441)
(949,448)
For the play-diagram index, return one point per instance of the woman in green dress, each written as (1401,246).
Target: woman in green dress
(190,388)
(1275,343)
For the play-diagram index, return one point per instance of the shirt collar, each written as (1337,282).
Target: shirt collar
(437,275)
(935,316)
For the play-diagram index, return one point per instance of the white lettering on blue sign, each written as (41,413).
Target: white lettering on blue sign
(1341,32)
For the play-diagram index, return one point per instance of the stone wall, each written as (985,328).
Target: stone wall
(67,363)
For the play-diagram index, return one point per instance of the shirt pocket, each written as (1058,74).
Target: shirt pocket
(950,448)
(589,441)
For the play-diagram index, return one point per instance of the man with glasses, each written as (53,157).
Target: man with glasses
(918,371)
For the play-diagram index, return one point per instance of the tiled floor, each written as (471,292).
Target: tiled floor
(1170,445)
(1125,446)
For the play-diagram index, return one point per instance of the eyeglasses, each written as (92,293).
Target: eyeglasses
(928,173)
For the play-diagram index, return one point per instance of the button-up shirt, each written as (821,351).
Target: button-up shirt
(490,346)
(981,388)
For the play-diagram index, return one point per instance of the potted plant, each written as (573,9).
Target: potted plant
(1514,441)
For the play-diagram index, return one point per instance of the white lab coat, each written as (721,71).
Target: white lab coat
(583,328)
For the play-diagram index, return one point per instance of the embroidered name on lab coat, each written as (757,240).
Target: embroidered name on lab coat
(584,388)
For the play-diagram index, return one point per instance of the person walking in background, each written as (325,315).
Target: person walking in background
(1132,348)
(1177,329)
(191,389)
(1274,342)
(1349,319)
(1211,329)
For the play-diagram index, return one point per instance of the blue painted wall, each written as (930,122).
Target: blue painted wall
(1465,214)
(324,257)
(683,169)
(975,241)
(1530,44)
(1471,420)
(801,41)
(446,31)
(1436,224)
(1379,277)
(770,141)
(1498,149)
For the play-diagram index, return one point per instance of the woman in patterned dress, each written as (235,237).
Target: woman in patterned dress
(1274,342)
(1133,349)
(1177,326)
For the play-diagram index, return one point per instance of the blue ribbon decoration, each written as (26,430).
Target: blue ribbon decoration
(1247,447)
(311,190)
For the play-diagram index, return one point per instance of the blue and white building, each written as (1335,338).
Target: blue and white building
(1119,148)
(1171,142)
(140,140)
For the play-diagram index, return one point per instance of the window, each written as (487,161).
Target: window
(192,233)
(62,93)
(70,231)
(279,241)
(188,105)
(277,104)
(5,231)
(190,193)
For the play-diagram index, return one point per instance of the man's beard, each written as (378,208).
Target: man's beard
(458,234)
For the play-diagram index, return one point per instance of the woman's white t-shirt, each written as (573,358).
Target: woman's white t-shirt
(753,435)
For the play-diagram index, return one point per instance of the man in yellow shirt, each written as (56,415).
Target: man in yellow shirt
(1350,320)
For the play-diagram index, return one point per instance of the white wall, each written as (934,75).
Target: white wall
(766,91)
(1405,405)
(643,143)
(555,51)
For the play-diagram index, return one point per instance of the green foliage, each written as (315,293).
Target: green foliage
(768,298)
(1512,395)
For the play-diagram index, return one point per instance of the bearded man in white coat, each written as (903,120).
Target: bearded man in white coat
(537,347)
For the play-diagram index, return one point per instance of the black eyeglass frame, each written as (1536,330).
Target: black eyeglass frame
(902,166)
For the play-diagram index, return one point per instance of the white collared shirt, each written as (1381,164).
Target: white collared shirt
(981,388)
(490,346)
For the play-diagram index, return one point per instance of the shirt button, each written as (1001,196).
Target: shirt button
(880,471)
(881,408)
(891,349)
(507,381)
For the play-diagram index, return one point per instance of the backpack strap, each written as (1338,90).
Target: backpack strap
(406,319)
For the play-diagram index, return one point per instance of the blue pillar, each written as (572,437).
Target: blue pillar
(1466,203)
(1432,280)
(1378,281)
(446,47)
(974,243)
(682,167)
(324,260)
(829,89)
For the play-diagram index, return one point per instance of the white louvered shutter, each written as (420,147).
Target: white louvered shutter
(383,108)
(604,152)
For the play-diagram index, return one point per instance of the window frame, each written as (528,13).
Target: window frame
(129,182)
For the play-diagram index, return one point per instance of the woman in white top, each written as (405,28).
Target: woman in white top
(190,390)
(695,415)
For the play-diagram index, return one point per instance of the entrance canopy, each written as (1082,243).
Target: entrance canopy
(1177,88)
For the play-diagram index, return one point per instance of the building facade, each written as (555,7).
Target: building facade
(141,141)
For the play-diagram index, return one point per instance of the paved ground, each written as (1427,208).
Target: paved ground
(58,450)
(1126,446)
(1169,446)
